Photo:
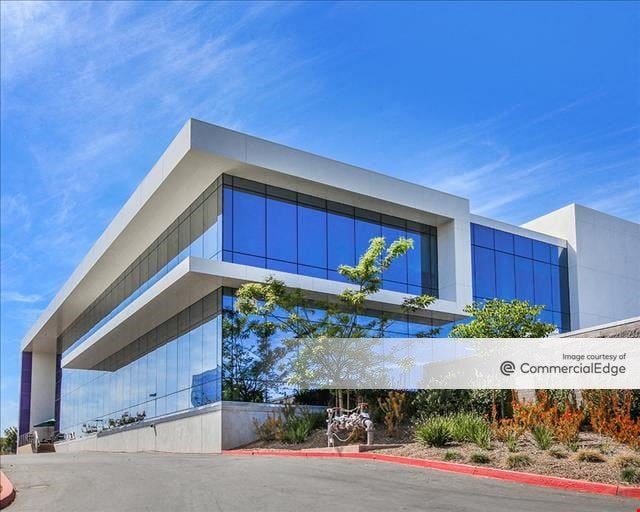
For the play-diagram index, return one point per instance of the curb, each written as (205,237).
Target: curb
(556,482)
(8,493)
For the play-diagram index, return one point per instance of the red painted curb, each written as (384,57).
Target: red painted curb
(556,482)
(8,493)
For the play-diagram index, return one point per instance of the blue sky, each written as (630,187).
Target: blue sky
(521,107)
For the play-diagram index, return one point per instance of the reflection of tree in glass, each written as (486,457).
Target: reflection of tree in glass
(250,362)
(311,327)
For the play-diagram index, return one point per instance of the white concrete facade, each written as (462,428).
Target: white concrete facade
(604,274)
(604,263)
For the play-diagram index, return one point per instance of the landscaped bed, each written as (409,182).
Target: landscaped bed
(555,461)
(596,441)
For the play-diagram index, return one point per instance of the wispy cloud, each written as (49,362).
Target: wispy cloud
(547,116)
(111,70)
(12,296)
(514,182)
(618,198)
(92,92)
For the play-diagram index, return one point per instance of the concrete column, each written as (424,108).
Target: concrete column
(43,387)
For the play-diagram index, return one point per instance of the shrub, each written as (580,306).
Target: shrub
(297,429)
(610,413)
(605,448)
(479,458)
(394,407)
(630,475)
(440,402)
(512,442)
(564,418)
(445,402)
(270,429)
(435,431)
(567,425)
(623,461)
(558,453)
(470,427)
(543,436)
(573,445)
(288,427)
(518,461)
(449,455)
(589,456)
(507,429)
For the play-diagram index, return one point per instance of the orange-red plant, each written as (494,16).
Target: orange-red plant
(610,414)
(568,424)
(563,422)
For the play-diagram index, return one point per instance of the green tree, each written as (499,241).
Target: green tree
(299,318)
(10,440)
(498,318)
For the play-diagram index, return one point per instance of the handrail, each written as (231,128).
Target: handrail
(25,439)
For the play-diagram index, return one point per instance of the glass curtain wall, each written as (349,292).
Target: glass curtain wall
(254,368)
(267,227)
(273,228)
(196,232)
(508,266)
(177,365)
(172,368)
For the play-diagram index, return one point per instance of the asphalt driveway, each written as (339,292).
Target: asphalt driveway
(114,482)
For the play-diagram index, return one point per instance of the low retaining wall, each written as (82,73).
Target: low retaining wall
(209,429)
(196,431)
(238,428)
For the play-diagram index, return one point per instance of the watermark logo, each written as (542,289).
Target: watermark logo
(507,368)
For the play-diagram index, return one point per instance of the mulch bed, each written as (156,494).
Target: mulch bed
(543,462)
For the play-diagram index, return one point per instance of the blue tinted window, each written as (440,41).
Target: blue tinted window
(504,242)
(559,256)
(484,271)
(248,259)
(395,286)
(365,231)
(293,233)
(505,276)
(418,260)
(398,270)
(248,223)
(522,246)
(282,266)
(482,236)
(171,378)
(556,293)
(541,251)
(307,270)
(341,240)
(524,279)
(533,274)
(227,221)
(546,316)
(282,243)
(312,237)
(564,291)
(542,284)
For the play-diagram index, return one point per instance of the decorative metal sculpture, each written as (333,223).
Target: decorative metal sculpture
(347,422)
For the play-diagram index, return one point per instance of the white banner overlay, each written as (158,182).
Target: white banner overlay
(447,363)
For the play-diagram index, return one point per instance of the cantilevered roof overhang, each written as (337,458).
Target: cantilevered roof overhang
(194,278)
(195,158)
